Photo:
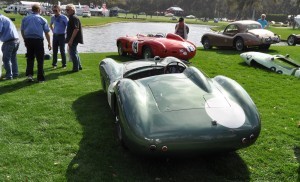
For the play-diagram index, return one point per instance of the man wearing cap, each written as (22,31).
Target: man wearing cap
(32,29)
(10,38)
(182,29)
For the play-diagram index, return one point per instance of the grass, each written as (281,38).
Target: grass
(62,130)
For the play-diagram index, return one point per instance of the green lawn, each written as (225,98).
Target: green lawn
(62,130)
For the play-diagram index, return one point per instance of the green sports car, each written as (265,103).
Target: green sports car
(163,106)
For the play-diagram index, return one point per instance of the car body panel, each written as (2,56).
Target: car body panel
(183,111)
(160,45)
(277,63)
(249,31)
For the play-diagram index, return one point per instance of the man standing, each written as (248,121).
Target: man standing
(263,21)
(10,38)
(74,36)
(32,28)
(60,23)
(182,29)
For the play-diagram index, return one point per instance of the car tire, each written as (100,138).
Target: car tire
(291,41)
(147,52)
(279,72)
(206,43)
(121,51)
(103,84)
(239,44)
(119,129)
(273,69)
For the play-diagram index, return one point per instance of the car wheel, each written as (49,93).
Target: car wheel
(103,84)
(273,69)
(291,40)
(119,129)
(120,49)
(147,53)
(239,44)
(265,46)
(279,72)
(206,43)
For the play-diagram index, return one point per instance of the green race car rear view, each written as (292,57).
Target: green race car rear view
(163,106)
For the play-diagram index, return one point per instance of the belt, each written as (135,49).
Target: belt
(11,40)
(59,34)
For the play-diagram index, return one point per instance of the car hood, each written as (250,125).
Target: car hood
(170,42)
(258,56)
(261,32)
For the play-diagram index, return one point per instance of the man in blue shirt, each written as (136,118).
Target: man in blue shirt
(263,21)
(32,28)
(10,38)
(60,23)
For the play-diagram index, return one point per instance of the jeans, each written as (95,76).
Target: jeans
(9,59)
(59,41)
(35,48)
(75,57)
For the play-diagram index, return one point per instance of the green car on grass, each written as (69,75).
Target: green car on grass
(164,107)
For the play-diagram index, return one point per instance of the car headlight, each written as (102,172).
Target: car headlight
(183,51)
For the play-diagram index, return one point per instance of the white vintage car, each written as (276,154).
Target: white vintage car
(277,63)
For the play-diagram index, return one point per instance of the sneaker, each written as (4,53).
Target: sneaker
(80,68)
(41,81)
(54,67)
(4,78)
(30,78)
(64,67)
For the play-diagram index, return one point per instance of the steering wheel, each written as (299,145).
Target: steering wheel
(174,67)
(159,35)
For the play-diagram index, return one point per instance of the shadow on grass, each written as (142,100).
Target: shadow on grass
(101,158)
(122,58)
(232,51)
(21,83)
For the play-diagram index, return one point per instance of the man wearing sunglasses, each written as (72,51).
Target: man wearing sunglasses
(60,23)
(74,36)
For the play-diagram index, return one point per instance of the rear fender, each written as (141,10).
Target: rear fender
(236,92)
(132,102)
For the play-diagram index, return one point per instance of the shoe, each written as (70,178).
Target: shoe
(29,78)
(41,81)
(54,67)
(4,78)
(75,70)
(80,68)
(64,67)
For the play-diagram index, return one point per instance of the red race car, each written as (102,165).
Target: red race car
(148,46)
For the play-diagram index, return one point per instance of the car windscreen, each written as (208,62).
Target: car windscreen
(144,72)
(253,26)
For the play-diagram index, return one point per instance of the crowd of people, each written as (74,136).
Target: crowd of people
(65,29)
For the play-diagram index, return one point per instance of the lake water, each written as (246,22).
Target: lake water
(103,38)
